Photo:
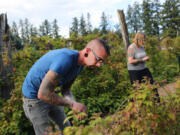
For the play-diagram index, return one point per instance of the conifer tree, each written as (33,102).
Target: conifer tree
(14,29)
(104,24)
(47,27)
(55,29)
(89,26)
(82,26)
(22,31)
(170,16)
(147,17)
(74,29)
(27,30)
(133,17)
(129,18)
(156,7)
(15,38)
(33,31)
(42,30)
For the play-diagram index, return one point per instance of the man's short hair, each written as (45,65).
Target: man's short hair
(105,45)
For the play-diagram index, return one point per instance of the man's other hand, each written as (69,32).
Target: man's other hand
(79,107)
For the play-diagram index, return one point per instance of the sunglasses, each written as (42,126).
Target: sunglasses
(98,59)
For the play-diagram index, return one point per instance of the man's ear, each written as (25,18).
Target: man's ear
(88,50)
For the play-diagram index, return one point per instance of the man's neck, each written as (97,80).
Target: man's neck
(80,58)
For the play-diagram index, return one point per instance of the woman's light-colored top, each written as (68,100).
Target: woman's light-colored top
(137,53)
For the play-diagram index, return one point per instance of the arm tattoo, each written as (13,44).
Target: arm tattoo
(47,87)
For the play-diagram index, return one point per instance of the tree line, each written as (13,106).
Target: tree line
(151,16)
(22,32)
(154,18)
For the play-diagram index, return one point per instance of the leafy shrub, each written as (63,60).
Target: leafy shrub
(143,115)
(101,89)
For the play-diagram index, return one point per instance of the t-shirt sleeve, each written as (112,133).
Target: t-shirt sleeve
(130,52)
(61,65)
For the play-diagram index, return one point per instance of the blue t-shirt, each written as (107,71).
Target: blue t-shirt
(62,61)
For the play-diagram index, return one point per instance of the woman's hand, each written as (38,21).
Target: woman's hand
(146,58)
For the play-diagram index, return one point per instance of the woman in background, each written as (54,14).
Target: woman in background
(137,58)
(136,61)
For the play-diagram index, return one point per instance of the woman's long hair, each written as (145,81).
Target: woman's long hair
(139,39)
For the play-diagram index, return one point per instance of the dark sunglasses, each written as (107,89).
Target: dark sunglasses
(97,58)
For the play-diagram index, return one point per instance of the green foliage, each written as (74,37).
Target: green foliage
(55,29)
(170,18)
(74,28)
(147,17)
(161,64)
(82,26)
(176,48)
(102,89)
(134,17)
(154,17)
(12,116)
(104,24)
(77,118)
(143,115)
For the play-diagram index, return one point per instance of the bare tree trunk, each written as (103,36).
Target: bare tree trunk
(123,28)
(2,26)
(6,66)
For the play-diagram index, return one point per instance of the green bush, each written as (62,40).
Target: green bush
(142,115)
(102,89)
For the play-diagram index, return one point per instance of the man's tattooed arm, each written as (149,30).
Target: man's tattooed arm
(46,90)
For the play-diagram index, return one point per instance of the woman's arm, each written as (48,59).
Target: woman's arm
(131,59)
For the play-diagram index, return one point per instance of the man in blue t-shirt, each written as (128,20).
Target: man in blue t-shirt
(58,68)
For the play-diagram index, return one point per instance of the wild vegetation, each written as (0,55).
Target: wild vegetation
(105,91)
(101,90)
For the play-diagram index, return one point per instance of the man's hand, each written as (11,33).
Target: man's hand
(79,107)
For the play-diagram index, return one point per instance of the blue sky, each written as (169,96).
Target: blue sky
(63,10)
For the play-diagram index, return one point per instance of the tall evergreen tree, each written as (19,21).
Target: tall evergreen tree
(33,31)
(55,29)
(47,27)
(129,18)
(42,30)
(82,26)
(27,29)
(144,17)
(133,17)
(170,16)
(156,7)
(89,26)
(147,17)
(22,31)
(104,24)
(14,29)
(137,25)
(15,38)
(74,29)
